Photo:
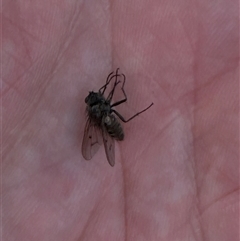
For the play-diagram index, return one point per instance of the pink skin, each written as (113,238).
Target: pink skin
(176,175)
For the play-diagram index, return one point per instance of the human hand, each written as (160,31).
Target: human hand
(176,175)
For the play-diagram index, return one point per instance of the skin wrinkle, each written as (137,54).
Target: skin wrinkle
(23,33)
(111,31)
(186,34)
(125,213)
(215,79)
(173,102)
(21,30)
(204,135)
(195,66)
(188,220)
(32,136)
(25,41)
(200,180)
(27,118)
(60,122)
(72,27)
(229,178)
(87,223)
(58,53)
(81,237)
(28,70)
(17,60)
(64,207)
(12,85)
(123,165)
(171,99)
(92,214)
(218,199)
(32,176)
(164,129)
(182,226)
(36,102)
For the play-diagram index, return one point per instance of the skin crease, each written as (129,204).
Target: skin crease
(176,175)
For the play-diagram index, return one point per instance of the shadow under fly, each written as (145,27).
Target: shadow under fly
(103,124)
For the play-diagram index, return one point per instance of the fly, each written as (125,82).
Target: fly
(103,124)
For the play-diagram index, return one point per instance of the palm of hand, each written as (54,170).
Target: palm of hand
(175,176)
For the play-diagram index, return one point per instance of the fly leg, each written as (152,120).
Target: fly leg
(138,113)
(124,100)
(109,98)
(124,93)
(109,78)
(102,89)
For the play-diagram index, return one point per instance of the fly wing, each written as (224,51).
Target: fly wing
(92,140)
(109,146)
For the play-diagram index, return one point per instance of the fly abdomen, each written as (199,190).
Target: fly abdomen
(113,127)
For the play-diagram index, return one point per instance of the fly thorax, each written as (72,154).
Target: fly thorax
(94,111)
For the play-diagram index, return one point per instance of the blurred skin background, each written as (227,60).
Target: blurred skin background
(176,175)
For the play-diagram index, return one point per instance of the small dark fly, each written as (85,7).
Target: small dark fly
(103,124)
